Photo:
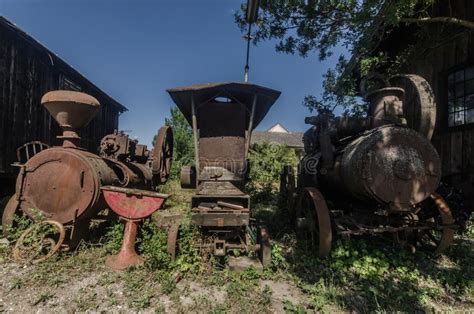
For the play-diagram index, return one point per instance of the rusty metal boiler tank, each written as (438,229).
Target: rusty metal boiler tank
(376,159)
(389,165)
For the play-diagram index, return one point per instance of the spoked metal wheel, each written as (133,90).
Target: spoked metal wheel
(39,242)
(9,214)
(163,154)
(440,236)
(288,187)
(313,221)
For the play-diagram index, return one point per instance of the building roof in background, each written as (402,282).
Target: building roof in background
(293,140)
(278,128)
(55,60)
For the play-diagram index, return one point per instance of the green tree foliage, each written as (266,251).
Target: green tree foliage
(183,149)
(339,91)
(266,161)
(306,26)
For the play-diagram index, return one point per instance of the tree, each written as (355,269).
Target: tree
(266,161)
(320,25)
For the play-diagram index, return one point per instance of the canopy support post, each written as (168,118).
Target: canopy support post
(249,131)
(195,136)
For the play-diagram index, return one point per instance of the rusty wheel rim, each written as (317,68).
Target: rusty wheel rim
(172,240)
(438,240)
(313,213)
(9,214)
(163,154)
(25,250)
(265,252)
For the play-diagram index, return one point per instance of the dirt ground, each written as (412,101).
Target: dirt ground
(25,289)
(80,282)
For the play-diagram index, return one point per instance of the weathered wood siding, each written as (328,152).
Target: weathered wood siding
(455,145)
(28,71)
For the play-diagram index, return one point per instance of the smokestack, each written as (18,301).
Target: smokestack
(71,110)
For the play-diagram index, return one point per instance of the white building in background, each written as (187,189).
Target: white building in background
(278,128)
(280,135)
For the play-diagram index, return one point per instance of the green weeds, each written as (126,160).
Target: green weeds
(112,239)
(289,307)
(43,298)
(19,225)
(138,288)
(366,277)
(85,300)
(359,275)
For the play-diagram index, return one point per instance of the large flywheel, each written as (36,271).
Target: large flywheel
(313,219)
(163,154)
(419,105)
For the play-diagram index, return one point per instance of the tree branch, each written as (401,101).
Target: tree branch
(440,19)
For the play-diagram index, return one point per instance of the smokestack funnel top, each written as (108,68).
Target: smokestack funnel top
(71,110)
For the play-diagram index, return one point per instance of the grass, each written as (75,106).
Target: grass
(366,275)
(366,278)
(362,275)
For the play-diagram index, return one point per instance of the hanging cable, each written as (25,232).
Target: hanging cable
(252,14)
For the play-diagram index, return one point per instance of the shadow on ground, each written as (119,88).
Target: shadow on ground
(369,274)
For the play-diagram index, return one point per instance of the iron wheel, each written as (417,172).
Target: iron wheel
(163,154)
(313,220)
(439,217)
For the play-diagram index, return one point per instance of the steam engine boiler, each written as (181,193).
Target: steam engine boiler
(63,184)
(377,173)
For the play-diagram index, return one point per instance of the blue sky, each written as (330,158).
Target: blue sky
(135,50)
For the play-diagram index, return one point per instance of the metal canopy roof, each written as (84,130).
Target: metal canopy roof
(239,92)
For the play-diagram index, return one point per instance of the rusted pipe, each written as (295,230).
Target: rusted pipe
(385,103)
(327,152)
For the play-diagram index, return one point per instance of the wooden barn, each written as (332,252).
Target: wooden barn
(27,71)
(446,60)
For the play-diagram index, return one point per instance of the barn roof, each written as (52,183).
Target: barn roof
(55,60)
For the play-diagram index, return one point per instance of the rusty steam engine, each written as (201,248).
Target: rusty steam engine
(63,185)
(373,175)
(223,117)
